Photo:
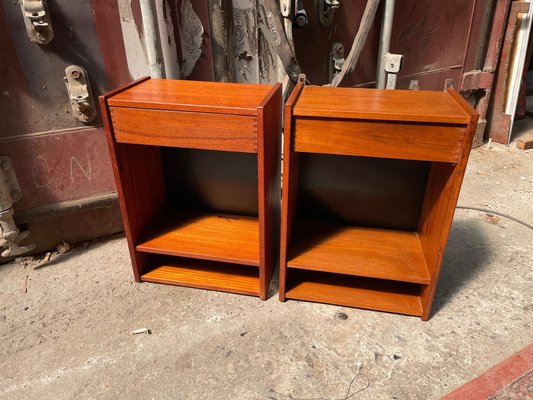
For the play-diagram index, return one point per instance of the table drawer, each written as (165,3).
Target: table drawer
(409,141)
(185,129)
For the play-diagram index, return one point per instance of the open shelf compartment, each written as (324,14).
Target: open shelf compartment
(352,250)
(204,235)
(350,291)
(203,274)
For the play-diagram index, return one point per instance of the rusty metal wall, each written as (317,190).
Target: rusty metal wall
(37,101)
(439,40)
(56,157)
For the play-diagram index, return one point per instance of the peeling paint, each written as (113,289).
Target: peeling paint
(267,60)
(135,52)
(168,40)
(245,41)
(245,56)
(191,31)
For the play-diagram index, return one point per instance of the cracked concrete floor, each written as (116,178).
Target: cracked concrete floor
(65,326)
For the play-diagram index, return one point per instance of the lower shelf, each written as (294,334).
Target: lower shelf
(373,294)
(209,236)
(203,274)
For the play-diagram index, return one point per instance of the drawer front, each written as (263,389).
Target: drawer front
(185,129)
(400,140)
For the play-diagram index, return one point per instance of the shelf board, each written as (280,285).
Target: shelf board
(360,251)
(208,236)
(203,274)
(373,294)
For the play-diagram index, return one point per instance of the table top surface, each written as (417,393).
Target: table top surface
(380,104)
(182,95)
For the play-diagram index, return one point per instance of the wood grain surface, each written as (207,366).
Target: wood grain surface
(290,185)
(380,104)
(351,250)
(182,95)
(269,182)
(134,168)
(444,186)
(354,292)
(406,141)
(185,129)
(217,237)
(203,274)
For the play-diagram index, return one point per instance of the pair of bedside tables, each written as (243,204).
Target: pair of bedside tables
(370,183)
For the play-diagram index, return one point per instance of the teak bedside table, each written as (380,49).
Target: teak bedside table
(197,168)
(370,184)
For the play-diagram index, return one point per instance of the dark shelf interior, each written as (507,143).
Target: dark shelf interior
(361,191)
(211,181)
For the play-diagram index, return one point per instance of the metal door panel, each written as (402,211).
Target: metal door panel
(438,39)
(60,166)
(41,103)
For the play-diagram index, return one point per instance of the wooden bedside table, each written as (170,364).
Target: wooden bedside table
(370,184)
(197,171)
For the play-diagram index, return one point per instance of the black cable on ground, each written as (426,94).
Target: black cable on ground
(496,213)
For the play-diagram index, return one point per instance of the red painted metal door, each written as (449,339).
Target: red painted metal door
(439,40)
(60,162)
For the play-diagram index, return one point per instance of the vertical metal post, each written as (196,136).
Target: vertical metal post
(384,42)
(151,37)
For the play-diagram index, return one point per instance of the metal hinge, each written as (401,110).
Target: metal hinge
(326,11)
(393,65)
(37,21)
(80,93)
(336,59)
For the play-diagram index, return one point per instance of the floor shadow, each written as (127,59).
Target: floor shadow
(466,256)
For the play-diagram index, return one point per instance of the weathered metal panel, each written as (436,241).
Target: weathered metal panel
(111,42)
(203,67)
(437,39)
(314,42)
(60,166)
(245,41)
(42,104)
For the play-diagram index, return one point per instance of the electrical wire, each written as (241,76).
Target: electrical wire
(461,207)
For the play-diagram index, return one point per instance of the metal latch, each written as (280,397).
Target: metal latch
(300,19)
(326,11)
(37,21)
(393,65)
(10,236)
(336,59)
(80,93)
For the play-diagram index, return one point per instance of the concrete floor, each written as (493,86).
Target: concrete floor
(65,326)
